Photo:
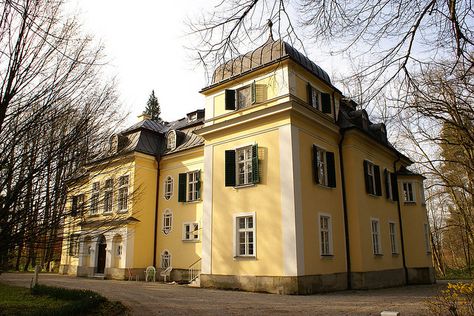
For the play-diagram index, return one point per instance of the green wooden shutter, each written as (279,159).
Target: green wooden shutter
(366,177)
(230,168)
(255,170)
(315,164)
(74,206)
(182,187)
(394,187)
(229,99)
(331,169)
(198,184)
(309,93)
(378,183)
(254,92)
(325,102)
(386,176)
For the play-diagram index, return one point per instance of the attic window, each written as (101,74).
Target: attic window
(192,117)
(365,120)
(171,140)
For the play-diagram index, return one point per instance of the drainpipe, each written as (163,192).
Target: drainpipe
(155,232)
(400,221)
(344,206)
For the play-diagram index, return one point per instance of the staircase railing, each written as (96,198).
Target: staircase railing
(194,270)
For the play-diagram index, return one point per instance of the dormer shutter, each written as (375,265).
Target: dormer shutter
(326,103)
(315,164)
(229,99)
(378,184)
(255,171)
(394,187)
(253,88)
(309,93)
(386,176)
(331,170)
(366,177)
(198,184)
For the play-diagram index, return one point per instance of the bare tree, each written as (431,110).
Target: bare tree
(55,111)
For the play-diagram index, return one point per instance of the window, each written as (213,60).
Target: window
(244,97)
(189,186)
(325,232)
(77,207)
(408,193)
(95,198)
(119,250)
(372,178)
(167,221)
(245,236)
(108,195)
(319,100)
(192,117)
(165,259)
(191,231)
(323,167)
(426,230)
(393,237)
(171,140)
(169,187)
(376,247)
(241,166)
(391,186)
(74,245)
(123,193)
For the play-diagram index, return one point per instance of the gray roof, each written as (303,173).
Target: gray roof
(188,141)
(150,125)
(271,52)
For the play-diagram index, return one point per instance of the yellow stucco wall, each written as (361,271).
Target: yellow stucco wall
(183,253)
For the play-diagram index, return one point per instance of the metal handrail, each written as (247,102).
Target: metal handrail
(193,272)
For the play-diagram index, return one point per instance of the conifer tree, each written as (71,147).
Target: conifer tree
(153,107)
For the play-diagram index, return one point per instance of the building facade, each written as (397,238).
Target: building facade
(280,184)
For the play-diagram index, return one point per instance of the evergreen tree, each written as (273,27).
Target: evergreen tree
(153,107)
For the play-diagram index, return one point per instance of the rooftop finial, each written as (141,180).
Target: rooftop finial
(270,24)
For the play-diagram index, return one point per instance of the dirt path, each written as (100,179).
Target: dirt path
(168,299)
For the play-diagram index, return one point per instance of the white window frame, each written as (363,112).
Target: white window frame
(392,227)
(371,175)
(119,250)
(74,245)
(169,187)
(237,232)
(247,165)
(165,255)
(408,187)
(192,193)
(191,231)
(316,98)
(322,166)
(325,251)
(95,197)
(238,99)
(375,233)
(167,221)
(108,191)
(171,140)
(426,233)
(122,198)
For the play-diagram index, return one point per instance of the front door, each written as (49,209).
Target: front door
(101,255)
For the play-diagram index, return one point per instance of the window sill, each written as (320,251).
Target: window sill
(331,256)
(245,258)
(192,241)
(373,195)
(378,255)
(243,186)
(395,254)
(122,211)
(325,186)
(107,213)
(94,215)
(409,202)
(193,201)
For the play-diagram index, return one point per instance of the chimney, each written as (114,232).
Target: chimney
(143,117)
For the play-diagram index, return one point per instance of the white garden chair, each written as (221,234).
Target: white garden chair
(150,274)
(166,273)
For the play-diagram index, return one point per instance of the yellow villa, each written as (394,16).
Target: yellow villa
(280,184)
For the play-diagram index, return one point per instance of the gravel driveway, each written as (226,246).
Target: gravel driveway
(166,299)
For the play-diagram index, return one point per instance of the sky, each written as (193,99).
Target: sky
(144,43)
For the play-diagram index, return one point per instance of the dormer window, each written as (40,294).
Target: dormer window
(318,100)
(192,117)
(365,120)
(171,140)
(245,96)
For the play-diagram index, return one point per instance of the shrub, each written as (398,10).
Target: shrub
(455,300)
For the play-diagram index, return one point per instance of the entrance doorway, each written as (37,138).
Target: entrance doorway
(101,255)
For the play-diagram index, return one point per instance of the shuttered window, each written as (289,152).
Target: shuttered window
(318,100)
(245,96)
(373,183)
(324,170)
(241,166)
(189,186)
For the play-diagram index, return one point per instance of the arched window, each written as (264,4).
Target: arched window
(171,140)
(165,259)
(167,221)
(169,187)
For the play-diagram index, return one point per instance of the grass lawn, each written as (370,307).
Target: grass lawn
(45,300)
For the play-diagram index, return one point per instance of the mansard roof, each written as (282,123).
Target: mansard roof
(271,52)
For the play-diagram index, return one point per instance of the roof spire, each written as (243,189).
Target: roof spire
(270,24)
